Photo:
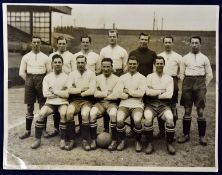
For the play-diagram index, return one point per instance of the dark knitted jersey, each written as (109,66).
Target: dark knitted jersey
(146,59)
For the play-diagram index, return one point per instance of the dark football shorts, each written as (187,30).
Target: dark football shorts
(193,91)
(130,111)
(33,89)
(105,106)
(174,99)
(158,108)
(81,103)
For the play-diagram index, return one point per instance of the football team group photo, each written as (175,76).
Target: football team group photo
(109,96)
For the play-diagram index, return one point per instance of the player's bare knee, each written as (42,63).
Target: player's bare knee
(70,115)
(41,117)
(148,116)
(137,123)
(188,111)
(120,124)
(113,117)
(93,117)
(85,116)
(30,109)
(113,114)
(63,117)
(93,114)
(85,113)
(200,112)
(169,118)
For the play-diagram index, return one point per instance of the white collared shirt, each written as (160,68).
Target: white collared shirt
(93,61)
(85,80)
(117,54)
(196,65)
(57,82)
(136,84)
(67,60)
(34,63)
(105,84)
(156,83)
(172,63)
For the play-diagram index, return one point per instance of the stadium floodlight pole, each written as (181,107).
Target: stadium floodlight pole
(162,24)
(61,21)
(154,21)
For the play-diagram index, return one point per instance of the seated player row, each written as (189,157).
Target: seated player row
(81,86)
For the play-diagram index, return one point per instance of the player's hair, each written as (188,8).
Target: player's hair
(57,56)
(133,57)
(144,34)
(86,36)
(168,36)
(159,58)
(108,60)
(196,37)
(81,56)
(113,31)
(61,38)
(36,37)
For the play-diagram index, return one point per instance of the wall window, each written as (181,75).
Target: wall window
(41,25)
(20,20)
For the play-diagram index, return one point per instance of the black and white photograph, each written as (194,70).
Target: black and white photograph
(111,87)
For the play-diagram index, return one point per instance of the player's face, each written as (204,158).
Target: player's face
(132,66)
(143,42)
(85,43)
(57,64)
(159,65)
(195,45)
(62,45)
(81,64)
(106,68)
(112,38)
(168,43)
(36,44)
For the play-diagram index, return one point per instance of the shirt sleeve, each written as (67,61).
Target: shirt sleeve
(98,64)
(101,55)
(73,62)
(182,68)
(125,59)
(149,90)
(23,68)
(48,65)
(118,89)
(92,85)
(45,88)
(169,90)
(72,89)
(179,59)
(141,89)
(208,71)
(99,93)
(154,58)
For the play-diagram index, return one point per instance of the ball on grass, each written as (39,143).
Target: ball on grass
(104,140)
